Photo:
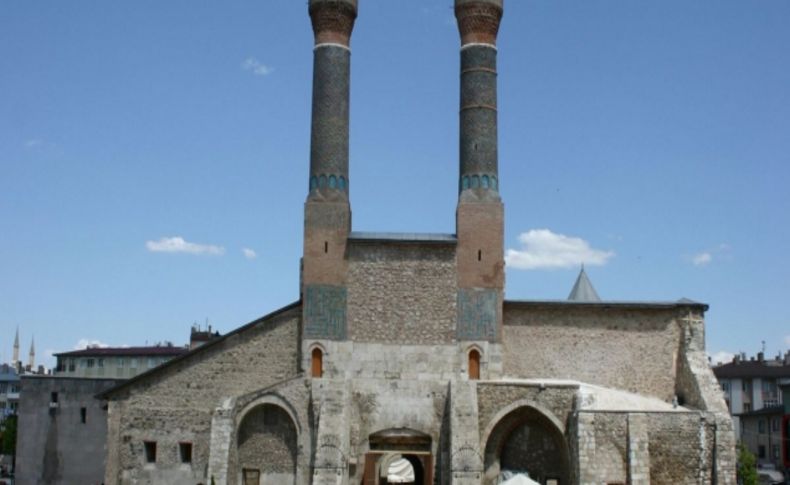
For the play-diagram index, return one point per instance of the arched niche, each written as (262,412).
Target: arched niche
(525,438)
(267,446)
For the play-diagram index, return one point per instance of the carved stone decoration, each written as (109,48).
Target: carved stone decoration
(478,22)
(467,459)
(333,21)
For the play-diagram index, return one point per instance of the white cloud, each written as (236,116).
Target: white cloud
(257,67)
(543,249)
(721,357)
(84,343)
(701,259)
(249,253)
(177,244)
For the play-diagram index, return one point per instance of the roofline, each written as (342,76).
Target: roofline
(104,351)
(70,378)
(647,305)
(133,380)
(402,238)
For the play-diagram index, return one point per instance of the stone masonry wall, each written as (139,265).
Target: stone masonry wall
(401,293)
(54,445)
(597,345)
(175,404)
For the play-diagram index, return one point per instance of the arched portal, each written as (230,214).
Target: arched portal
(392,447)
(267,447)
(526,441)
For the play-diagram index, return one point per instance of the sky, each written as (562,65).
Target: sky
(154,157)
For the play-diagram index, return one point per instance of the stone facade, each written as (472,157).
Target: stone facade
(402,346)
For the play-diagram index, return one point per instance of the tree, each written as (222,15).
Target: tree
(8,441)
(747,466)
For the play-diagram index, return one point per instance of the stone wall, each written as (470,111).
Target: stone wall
(401,292)
(175,402)
(267,442)
(614,346)
(360,360)
(54,445)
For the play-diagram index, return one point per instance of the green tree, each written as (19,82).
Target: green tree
(747,466)
(8,441)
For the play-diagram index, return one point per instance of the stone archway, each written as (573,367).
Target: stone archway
(526,439)
(388,445)
(267,445)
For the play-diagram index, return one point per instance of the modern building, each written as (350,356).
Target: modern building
(752,384)
(403,346)
(9,390)
(114,362)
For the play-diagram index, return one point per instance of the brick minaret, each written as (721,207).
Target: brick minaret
(327,210)
(480,213)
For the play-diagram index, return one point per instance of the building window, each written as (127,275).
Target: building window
(100,362)
(150,451)
(133,363)
(761,452)
(71,365)
(747,407)
(317,363)
(725,386)
(775,452)
(761,426)
(185,452)
(53,397)
(775,424)
(474,364)
(90,363)
(122,362)
(151,362)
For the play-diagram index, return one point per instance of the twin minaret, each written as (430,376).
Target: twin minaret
(479,217)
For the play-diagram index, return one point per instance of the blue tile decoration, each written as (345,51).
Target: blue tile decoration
(477,314)
(325,312)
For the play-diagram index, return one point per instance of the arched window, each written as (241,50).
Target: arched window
(474,364)
(317,363)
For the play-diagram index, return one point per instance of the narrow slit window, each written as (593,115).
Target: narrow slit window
(185,452)
(479,254)
(326,246)
(83,415)
(150,451)
(53,397)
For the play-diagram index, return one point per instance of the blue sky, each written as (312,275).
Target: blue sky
(650,139)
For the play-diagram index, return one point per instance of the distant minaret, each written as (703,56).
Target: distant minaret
(16,348)
(31,358)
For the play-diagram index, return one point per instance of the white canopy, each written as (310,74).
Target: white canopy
(400,471)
